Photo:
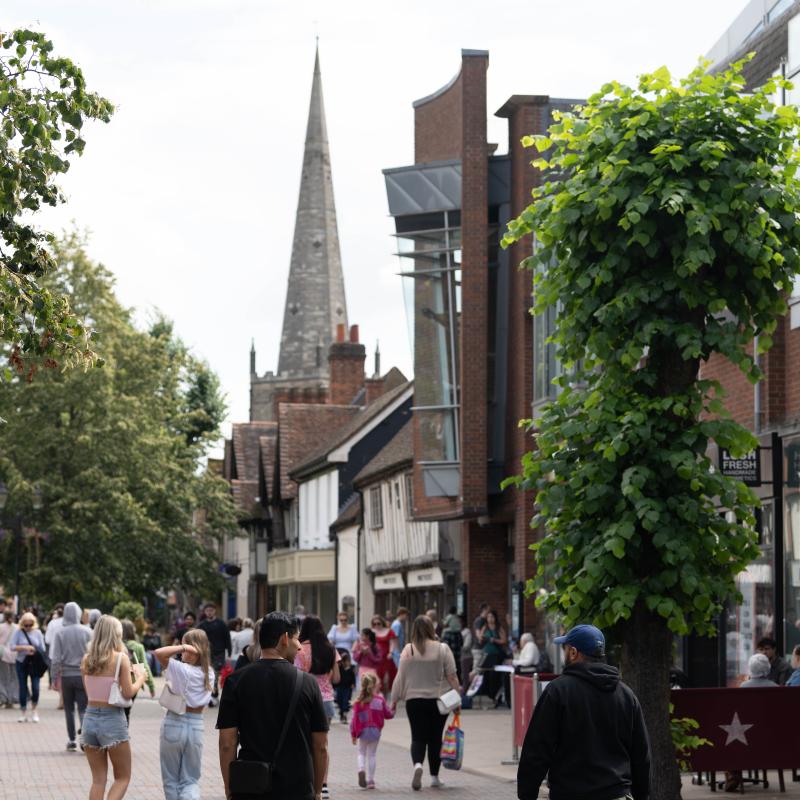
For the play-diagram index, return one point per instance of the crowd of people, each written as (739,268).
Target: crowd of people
(261,674)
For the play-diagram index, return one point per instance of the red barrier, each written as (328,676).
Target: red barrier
(749,728)
(524,699)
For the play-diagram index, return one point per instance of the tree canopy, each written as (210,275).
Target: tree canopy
(44,104)
(666,232)
(127,509)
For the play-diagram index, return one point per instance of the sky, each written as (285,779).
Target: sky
(189,194)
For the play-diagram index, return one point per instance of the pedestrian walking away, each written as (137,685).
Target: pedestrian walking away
(241,639)
(398,627)
(219,638)
(320,658)
(66,654)
(587,733)
(9,689)
(369,713)
(252,652)
(427,671)
(106,671)
(256,702)
(180,746)
(28,643)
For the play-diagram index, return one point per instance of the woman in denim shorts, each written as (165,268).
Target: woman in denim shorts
(104,735)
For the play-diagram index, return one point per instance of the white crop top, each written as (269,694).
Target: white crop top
(187,680)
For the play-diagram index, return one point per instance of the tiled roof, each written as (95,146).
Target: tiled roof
(301,427)
(245,497)
(359,420)
(349,514)
(245,438)
(397,454)
(267,448)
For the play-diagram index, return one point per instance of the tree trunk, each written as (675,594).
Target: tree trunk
(646,662)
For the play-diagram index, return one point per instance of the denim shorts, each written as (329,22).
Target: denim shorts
(104,727)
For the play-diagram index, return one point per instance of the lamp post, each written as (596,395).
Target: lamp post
(37,504)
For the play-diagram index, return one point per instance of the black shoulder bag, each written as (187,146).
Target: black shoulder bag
(253,779)
(35,665)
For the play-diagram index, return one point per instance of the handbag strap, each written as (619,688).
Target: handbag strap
(298,679)
(116,671)
(25,634)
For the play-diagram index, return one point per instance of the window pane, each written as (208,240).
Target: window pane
(438,433)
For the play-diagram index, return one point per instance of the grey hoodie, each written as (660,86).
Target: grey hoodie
(70,643)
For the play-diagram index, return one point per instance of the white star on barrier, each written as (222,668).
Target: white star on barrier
(736,730)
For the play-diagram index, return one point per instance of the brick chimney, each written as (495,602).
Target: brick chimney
(346,361)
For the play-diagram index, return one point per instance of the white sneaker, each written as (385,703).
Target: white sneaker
(34,717)
(435,782)
(416,781)
(23,717)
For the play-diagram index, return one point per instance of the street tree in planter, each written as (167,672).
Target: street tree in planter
(666,232)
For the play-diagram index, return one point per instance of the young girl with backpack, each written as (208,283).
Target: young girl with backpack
(369,713)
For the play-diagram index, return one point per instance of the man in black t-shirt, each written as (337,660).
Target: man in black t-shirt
(254,705)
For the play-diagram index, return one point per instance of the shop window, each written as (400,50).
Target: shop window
(375,508)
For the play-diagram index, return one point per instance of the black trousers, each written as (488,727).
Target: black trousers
(74,694)
(427,727)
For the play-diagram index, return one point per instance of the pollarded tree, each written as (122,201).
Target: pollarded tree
(666,233)
(44,104)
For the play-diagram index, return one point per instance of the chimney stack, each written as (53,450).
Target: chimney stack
(346,360)
(375,386)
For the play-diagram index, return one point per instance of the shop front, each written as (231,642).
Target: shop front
(303,578)
(390,593)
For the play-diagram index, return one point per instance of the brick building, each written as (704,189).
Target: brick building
(771,409)
(474,354)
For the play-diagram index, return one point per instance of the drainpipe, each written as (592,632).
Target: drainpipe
(756,392)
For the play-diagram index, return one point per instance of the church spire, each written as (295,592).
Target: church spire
(315,300)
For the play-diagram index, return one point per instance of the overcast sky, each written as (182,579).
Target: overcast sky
(190,192)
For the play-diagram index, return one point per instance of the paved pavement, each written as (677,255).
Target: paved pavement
(34,764)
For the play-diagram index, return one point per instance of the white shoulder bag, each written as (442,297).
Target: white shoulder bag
(115,696)
(172,701)
(450,700)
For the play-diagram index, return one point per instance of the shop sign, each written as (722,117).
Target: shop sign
(793,465)
(432,576)
(746,469)
(385,583)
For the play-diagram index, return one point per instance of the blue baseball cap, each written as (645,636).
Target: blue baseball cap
(585,639)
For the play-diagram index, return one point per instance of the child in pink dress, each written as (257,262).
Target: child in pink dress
(369,712)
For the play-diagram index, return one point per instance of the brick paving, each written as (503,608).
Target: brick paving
(34,764)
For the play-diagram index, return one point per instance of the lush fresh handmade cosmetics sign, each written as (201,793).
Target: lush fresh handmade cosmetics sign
(746,469)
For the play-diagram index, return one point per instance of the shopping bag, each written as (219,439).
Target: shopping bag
(452,752)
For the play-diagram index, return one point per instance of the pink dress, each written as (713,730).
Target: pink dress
(303,661)
(367,659)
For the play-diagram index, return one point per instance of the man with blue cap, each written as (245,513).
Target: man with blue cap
(587,734)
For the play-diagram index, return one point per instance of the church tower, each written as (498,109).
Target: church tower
(315,300)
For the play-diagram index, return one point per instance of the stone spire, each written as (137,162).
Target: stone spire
(315,301)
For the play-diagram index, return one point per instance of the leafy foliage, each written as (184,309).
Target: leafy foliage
(666,233)
(684,738)
(43,107)
(128,609)
(127,510)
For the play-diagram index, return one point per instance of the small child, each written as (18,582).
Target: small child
(369,712)
(344,689)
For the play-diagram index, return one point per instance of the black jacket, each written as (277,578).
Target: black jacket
(219,635)
(588,733)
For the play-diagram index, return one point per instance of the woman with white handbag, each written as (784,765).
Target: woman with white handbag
(106,671)
(427,681)
(185,696)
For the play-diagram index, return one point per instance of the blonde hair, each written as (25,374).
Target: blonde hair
(105,643)
(422,632)
(369,688)
(197,638)
(28,617)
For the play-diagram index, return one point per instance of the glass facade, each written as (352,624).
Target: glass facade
(429,247)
